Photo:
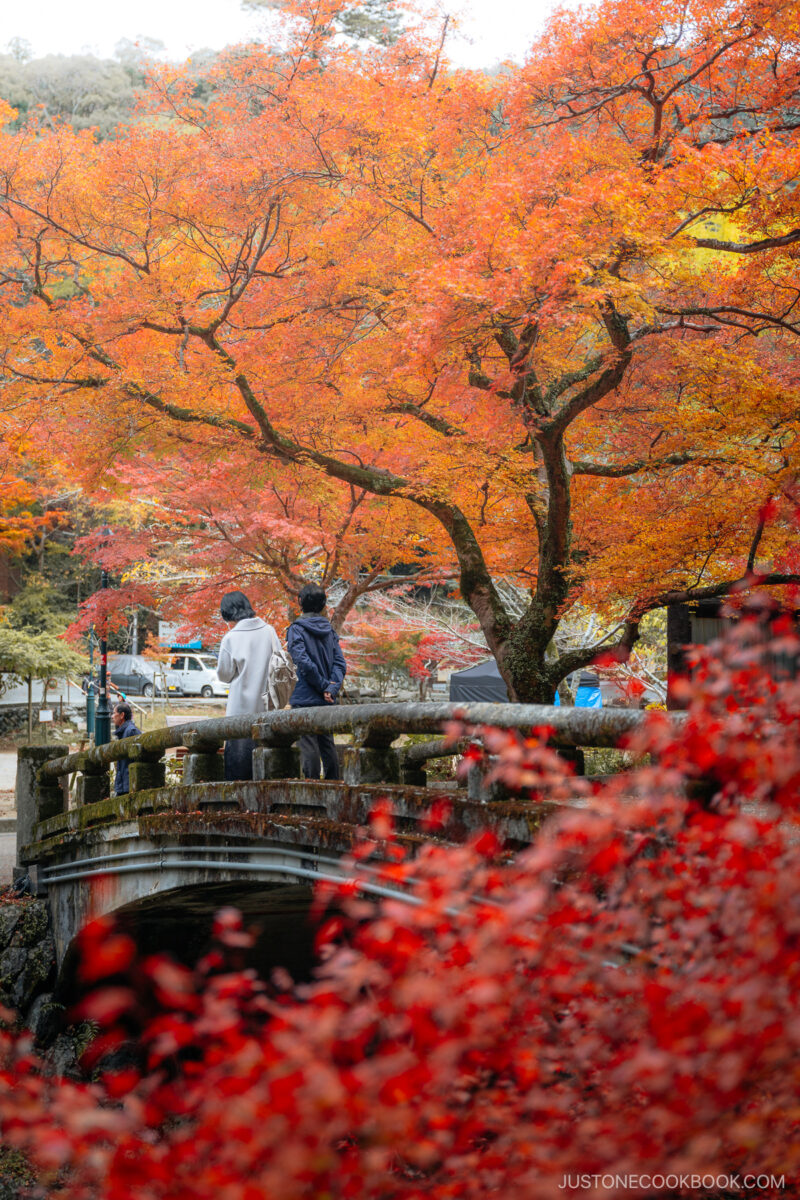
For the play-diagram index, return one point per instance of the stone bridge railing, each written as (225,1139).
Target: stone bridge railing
(371,758)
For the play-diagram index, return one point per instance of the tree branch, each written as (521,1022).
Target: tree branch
(770,243)
(733,310)
(577,659)
(619,470)
(440,424)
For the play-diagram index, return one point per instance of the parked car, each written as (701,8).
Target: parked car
(137,674)
(196,675)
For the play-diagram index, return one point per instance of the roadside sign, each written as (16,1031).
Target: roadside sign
(45,714)
(168,636)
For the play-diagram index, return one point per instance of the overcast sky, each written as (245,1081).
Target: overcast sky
(491,29)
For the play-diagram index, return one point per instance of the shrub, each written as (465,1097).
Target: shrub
(620,1000)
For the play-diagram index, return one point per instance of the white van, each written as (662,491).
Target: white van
(196,675)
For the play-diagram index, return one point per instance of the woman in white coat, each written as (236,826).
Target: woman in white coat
(243,662)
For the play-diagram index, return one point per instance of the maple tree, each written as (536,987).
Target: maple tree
(618,1000)
(550,310)
(197,527)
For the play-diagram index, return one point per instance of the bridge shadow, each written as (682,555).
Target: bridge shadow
(179,922)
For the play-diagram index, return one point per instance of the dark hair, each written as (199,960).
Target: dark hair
(235,606)
(124,708)
(312,598)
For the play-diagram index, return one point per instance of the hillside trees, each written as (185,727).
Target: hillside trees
(551,311)
(86,92)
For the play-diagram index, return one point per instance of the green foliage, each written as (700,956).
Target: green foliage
(15,1173)
(37,608)
(31,637)
(53,577)
(600,760)
(374,21)
(84,91)
(25,656)
(136,56)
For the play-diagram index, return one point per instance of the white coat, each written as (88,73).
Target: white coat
(243,662)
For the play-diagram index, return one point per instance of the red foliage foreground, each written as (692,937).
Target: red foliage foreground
(619,1003)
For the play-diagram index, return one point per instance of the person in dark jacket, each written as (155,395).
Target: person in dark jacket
(124,727)
(314,647)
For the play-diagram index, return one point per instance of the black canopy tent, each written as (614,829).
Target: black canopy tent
(481,682)
(484,682)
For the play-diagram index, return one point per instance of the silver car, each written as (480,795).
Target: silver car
(141,676)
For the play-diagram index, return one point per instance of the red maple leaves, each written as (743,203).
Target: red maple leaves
(620,998)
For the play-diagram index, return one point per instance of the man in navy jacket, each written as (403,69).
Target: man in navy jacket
(124,727)
(314,646)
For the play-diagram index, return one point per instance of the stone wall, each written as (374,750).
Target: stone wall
(13,717)
(28,978)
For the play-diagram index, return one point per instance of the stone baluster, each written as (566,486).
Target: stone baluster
(482,791)
(93,780)
(475,784)
(146,768)
(414,759)
(275,757)
(413,773)
(203,763)
(371,758)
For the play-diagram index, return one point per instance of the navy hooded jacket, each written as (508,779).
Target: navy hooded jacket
(121,781)
(314,646)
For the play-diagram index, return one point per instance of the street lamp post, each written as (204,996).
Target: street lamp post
(90,687)
(102,716)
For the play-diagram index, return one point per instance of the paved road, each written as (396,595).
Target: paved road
(8,840)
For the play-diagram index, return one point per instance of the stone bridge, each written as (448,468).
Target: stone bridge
(168,854)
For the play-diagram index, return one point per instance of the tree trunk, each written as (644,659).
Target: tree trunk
(524,670)
(30,711)
(44,705)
